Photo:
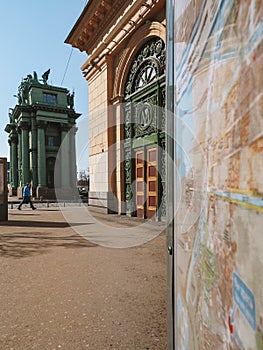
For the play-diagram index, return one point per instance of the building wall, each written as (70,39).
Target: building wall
(122,61)
(42,122)
(98,137)
(106,83)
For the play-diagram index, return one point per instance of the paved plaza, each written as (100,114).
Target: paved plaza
(62,286)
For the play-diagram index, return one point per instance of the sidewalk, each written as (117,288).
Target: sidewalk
(60,290)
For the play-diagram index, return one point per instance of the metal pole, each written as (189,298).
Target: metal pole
(170,183)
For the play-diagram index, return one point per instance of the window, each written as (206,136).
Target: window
(52,141)
(147,66)
(49,98)
(50,171)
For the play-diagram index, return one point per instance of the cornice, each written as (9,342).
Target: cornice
(101,21)
(94,18)
(47,108)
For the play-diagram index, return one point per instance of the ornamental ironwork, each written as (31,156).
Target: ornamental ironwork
(147,66)
(144,119)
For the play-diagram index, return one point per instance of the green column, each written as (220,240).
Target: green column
(65,166)
(25,152)
(73,163)
(19,174)
(34,153)
(41,156)
(13,161)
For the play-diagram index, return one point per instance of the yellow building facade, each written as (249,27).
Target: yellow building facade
(125,43)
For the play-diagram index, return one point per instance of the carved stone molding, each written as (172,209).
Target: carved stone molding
(41,125)
(64,127)
(141,36)
(24,125)
(13,138)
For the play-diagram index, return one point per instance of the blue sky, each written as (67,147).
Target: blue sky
(32,38)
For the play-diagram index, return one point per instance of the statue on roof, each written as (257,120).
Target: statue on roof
(45,76)
(23,89)
(70,99)
(35,78)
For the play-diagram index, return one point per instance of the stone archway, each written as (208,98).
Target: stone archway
(144,138)
(142,35)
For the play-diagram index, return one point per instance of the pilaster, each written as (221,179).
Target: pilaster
(13,162)
(73,175)
(25,152)
(19,163)
(64,149)
(33,153)
(41,155)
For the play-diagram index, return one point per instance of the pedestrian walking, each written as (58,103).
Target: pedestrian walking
(26,197)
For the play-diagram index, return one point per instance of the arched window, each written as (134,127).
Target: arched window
(147,66)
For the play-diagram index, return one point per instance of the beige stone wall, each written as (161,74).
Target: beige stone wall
(106,82)
(98,139)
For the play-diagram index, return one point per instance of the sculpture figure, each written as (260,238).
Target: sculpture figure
(70,99)
(45,76)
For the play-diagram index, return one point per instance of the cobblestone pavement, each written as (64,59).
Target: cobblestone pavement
(60,291)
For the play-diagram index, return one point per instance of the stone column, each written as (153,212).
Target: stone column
(41,156)
(34,153)
(25,152)
(119,156)
(73,163)
(64,153)
(19,163)
(13,162)
(112,202)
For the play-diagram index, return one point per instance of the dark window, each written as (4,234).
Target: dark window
(50,172)
(52,141)
(49,98)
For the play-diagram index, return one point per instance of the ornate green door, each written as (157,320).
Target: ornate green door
(144,125)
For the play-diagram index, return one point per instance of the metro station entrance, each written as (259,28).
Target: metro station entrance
(146,183)
(144,136)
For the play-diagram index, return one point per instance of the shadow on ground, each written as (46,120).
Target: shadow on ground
(25,244)
(47,224)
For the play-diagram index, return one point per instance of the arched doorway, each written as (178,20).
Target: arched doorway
(144,137)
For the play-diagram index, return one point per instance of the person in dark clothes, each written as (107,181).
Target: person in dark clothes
(26,197)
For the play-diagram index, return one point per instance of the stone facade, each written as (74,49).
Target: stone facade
(39,124)
(112,33)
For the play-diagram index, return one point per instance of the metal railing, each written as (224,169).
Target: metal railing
(49,203)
